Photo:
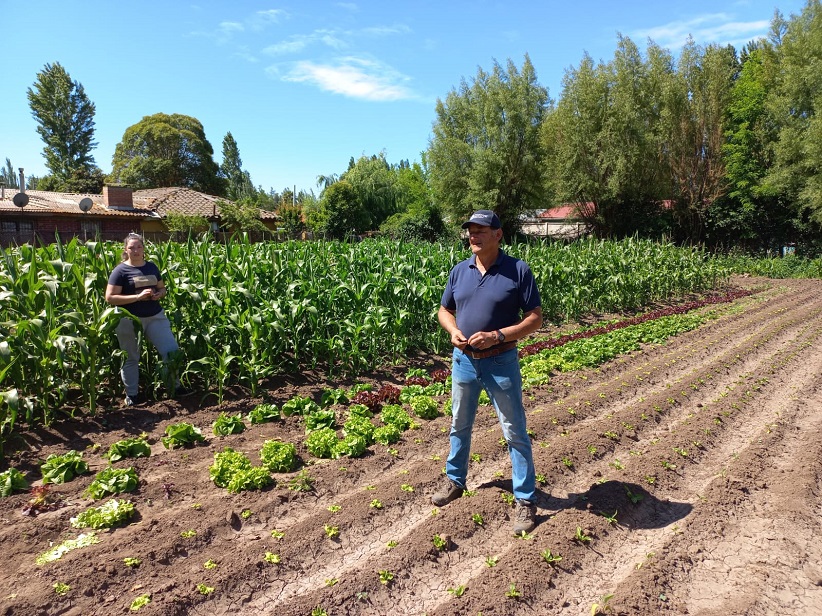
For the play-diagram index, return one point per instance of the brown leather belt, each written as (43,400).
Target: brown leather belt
(492,352)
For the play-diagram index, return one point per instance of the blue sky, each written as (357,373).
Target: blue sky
(304,85)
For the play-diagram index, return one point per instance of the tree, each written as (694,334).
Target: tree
(374,182)
(65,121)
(341,212)
(167,150)
(694,133)
(239,185)
(485,152)
(241,215)
(604,142)
(794,102)
(9,175)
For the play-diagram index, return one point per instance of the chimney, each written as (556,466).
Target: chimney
(22,181)
(118,197)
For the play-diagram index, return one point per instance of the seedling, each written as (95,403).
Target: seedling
(209,564)
(375,504)
(611,519)
(523,535)
(581,537)
(319,611)
(475,457)
(592,450)
(617,464)
(205,590)
(458,591)
(550,558)
(436,458)
(277,534)
(61,589)
(651,479)
(132,562)
(568,462)
(188,534)
(491,561)
(331,582)
(541,479)
(246,513)
(681,451)
(334,508)
(512,592)
(508,498)
(391,544)
(386,577)
(331,531)
(139,602)
(439,542)
(301,482)
(634,498)
(271,558)
(407,488)
(478,520)
(603,606)
(611,435)
(668,466)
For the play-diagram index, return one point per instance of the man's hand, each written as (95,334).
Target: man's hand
(458,339)
(482,340)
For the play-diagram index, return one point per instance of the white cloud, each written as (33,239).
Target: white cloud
(299,42)
(262,19)
(353,77)
(229,27)
(704,29)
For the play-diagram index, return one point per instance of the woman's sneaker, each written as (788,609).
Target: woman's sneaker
(134,400)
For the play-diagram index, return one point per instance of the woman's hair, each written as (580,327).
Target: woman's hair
(131,236)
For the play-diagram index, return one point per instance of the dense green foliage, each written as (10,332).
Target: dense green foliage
(167,150)
(485,152)
(246,312)
(65,122)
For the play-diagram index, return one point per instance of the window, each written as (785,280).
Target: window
(89,228)
(16,226)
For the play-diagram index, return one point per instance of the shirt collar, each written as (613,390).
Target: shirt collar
(500,255)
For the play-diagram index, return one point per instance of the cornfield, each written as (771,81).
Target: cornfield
(245,312)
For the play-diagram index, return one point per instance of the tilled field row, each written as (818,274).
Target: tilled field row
(773,337)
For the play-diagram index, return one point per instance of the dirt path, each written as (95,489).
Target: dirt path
(695,467)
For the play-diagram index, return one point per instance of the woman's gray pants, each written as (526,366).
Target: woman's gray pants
(158,330)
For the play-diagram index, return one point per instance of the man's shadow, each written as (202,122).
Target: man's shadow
(632,505)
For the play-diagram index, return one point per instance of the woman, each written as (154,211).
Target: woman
(137,285)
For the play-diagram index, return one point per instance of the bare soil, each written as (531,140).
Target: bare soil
(705,452)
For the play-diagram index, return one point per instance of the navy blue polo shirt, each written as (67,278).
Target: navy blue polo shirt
(485,303)
(133,280)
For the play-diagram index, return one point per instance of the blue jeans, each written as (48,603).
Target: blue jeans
(158,330)
(501,378)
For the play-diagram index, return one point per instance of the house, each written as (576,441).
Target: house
(562,223)
(111,216)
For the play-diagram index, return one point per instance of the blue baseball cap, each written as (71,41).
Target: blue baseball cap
(486,218)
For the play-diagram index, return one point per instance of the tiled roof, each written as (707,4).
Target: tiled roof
(152,202)
(184,201)
(45,202)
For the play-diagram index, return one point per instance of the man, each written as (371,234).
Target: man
(490,301)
